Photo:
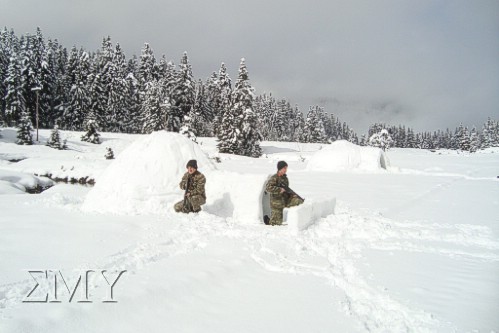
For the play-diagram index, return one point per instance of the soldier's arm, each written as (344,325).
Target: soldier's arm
(198,186)
(272,186)
(183,182)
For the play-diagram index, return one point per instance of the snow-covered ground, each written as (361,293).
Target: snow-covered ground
(410,248)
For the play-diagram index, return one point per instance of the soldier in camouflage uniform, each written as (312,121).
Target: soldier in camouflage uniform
(195,195)
(279,199)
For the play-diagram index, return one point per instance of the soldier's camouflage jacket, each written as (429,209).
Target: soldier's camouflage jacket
(196,184)
(277,199)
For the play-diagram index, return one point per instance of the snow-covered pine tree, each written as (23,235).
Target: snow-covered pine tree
(24,128)
(363,141)
(54,141)
(239,134)
(30,74)
(117,92)
(265,108)
(183,94)
(298,123)
(222,102)
(202,113)
(147,68)
(474,140)
(132,122)
(314,131)
(59,96)
(410,140)
(381,140)
(91,134)
(490,134)
(188,125)
(97,96)
(155,109)
(14,100)
(5,54)
(49,86)
(211,97)
(79,102)
(464,138)
(328,126)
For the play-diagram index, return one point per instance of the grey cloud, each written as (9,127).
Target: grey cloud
(431,63)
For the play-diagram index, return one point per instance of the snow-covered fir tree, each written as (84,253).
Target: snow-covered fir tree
(147,68)
(91,134)
(24,128)
(381,140)
(188,125)
(464,138)
(79,103)
(131,121)
(54,140)
(490,134)
(117,92)
(201,114)
(15,103)
(182,95)
(222,99)
(474,140)
(155,109)
(239,134)
(314,131)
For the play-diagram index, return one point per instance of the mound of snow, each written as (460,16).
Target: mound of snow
(343,155)
(13,182)
(144,178)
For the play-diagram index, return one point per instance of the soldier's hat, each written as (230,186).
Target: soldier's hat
(281,164)
(192,164)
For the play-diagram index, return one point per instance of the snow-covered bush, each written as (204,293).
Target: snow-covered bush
(109,154)
(91,136)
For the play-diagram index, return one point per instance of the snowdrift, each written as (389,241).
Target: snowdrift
(144,178)
(342,155)
(13,182)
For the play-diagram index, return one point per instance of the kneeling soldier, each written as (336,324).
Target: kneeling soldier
(193,183)
(279,199)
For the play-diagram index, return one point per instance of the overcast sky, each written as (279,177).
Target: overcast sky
(425,64)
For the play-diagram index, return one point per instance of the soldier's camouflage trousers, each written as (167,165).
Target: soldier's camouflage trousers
(278,207)
(192,204)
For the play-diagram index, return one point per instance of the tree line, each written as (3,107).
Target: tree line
(104,91)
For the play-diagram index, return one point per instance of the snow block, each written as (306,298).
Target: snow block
(235,195)
(342,155)
(301,217)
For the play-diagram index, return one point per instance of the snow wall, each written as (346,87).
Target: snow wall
(301,217)
(145,177)
(342,155)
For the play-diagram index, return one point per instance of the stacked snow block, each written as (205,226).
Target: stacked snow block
(301,217)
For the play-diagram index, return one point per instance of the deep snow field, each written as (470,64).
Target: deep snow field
(410,248)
